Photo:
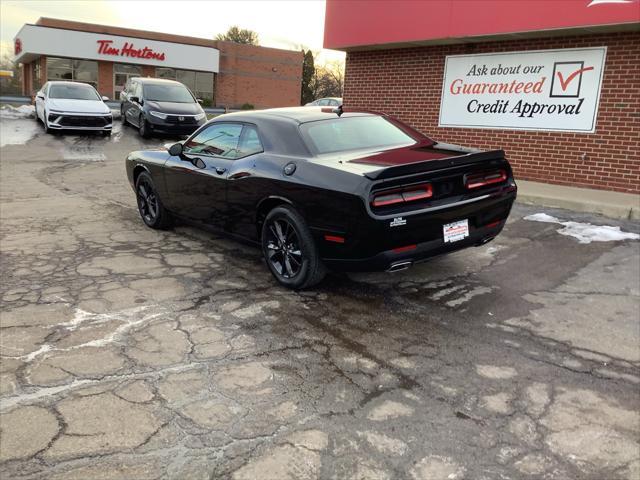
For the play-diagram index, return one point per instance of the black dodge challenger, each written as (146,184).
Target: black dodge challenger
(326,189)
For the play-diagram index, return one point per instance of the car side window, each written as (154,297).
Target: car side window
(323,103)
(249,142)
(137,90)
(127,87)
(218,139)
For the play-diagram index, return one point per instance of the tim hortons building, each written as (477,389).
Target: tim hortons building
(224,74)
(556,84)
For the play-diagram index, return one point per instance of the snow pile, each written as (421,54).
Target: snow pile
(585,232)
(23,111)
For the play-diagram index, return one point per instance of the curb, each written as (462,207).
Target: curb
(618,205)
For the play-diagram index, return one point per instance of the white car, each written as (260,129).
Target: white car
(72,106)
(325,102)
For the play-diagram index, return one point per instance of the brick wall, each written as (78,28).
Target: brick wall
(105,79)
(407,83)
(148,71)
(263,77)
(27,85)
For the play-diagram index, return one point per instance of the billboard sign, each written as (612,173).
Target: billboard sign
(549,90)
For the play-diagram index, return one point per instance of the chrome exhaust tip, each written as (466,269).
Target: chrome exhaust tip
(397,267)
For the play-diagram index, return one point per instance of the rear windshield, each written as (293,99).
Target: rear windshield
(354,133)
(168,93)
(73,92)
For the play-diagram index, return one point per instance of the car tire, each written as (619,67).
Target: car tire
(123,118)
(35,110)
(150,206)
(106,133)
(143,129)
(289,249)
(46,127)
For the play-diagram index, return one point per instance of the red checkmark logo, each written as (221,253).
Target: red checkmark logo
(565,83)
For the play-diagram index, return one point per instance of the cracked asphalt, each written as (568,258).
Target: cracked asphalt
(128,353)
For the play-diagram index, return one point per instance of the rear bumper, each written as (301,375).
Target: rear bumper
(383,243)
(389,259)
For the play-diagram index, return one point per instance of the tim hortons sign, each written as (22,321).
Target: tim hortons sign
(106,47)
(552,90)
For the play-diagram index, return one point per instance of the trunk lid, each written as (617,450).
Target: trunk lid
(408,161)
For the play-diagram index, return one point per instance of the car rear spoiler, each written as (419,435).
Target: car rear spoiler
(431,165)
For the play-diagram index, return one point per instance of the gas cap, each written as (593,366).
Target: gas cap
(289,168)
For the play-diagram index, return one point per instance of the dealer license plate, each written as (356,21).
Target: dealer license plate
(456,231)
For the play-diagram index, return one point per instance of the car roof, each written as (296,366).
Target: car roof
(295,114)
(66,82)
(156,80)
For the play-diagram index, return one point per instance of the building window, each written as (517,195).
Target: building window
(121,74)
(200,83)
(72,70)
(168,73)
(36,72)
(204,86)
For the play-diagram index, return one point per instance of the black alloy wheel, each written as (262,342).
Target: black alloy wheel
(283,248)
(149,204)
(289,249)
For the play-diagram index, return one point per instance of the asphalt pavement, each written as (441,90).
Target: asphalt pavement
(131,353)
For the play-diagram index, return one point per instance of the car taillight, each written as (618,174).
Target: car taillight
(402,195)
(477,180)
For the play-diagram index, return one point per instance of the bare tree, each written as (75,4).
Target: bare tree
(10,85)
(329,80)
(239,35)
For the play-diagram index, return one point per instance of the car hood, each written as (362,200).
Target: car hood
(175,108)
(78,106)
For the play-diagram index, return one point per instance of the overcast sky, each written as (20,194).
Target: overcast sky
(280,24)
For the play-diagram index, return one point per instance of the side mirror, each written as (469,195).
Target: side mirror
(175,150)
(199,100)
(40,96)
(134,99)
(105,99)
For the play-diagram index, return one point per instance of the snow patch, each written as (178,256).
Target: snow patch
(585,232)
(23,111)
(18,131)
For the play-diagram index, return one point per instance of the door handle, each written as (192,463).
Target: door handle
(220,170)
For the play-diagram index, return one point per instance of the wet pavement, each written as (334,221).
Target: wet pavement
(130,353)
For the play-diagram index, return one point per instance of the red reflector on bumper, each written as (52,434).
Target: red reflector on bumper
(405,249)
(334,238)
(493,224)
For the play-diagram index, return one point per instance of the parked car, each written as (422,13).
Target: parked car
(320,189)
(157,106)
(63,105)
(325,102)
